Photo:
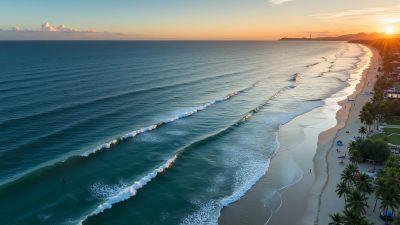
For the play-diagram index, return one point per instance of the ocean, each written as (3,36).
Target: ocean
(150,132)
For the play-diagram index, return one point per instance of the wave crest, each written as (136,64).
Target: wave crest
(134,133)
(131,190)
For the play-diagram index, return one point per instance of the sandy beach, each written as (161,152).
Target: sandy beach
(329,170)
(304,172)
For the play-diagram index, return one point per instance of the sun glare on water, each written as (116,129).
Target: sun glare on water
(389,30)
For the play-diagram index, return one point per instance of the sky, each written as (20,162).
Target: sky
(194,19)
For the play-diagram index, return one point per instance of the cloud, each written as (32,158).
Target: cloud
(61,32)
(278,2)
(366,16)
(47,27)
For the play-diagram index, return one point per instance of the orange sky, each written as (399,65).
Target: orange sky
(206,19)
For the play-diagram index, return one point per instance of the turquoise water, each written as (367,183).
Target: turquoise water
(149,132)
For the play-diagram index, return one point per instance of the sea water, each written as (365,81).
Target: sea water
(109,132)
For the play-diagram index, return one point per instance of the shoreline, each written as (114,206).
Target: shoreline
(348,120)
(303,141)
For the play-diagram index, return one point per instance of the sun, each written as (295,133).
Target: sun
(389,30)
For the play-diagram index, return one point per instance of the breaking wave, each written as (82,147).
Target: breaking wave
(130,191)
(209,212)
(134,133)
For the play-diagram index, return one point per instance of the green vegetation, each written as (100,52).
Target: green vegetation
(353,187)
(392,121)
(376,150)
(392,108)
(388,185)
(390,135)
(379,109)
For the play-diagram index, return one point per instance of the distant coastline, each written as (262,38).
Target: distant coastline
(347,37)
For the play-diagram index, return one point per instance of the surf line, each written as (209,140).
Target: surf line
(134,133)
(130,191)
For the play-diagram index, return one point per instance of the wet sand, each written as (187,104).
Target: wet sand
(348,121)
(290,192)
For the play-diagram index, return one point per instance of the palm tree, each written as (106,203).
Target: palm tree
(379,107)
(342,189)
(355,156)
(366,116)
(369,121)
(351,217)
(357,201)
(387,202)
(352,145)
(379,188)
(362,131)
(364,182)
(389,199)
(336,219)
(363,116)
(391,178)
(364,221)
(388,189)
(347,177)
(352,167)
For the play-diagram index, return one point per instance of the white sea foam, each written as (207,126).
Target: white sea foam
(209,212)
(246,178)
(134,133)
(103,191)
(250,170)
(130,191)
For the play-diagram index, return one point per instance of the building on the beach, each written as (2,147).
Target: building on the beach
(392,93)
